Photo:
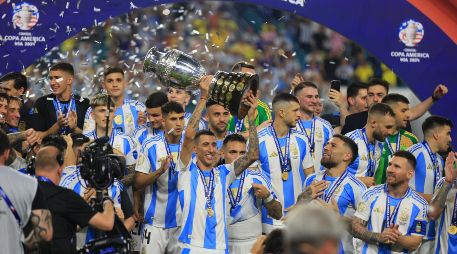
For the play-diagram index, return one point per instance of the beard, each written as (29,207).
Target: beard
(327,163)
(378,136)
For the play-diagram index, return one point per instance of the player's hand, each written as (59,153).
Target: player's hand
(119,213)
(390,235)
(62,121)
(205,83)
(449,167)
(32,137)
(298,78)
(257,248)
(368,181)
(72,120)
(141,118)
(88,194)
(260,191)
(165,163)
(318,188)
(333,206)
(252,102)
(440,91)
(336,97)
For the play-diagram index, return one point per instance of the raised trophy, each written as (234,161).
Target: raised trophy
(179,70)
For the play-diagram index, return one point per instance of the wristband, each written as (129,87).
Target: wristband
(434,98)
(203,98)
(268,199)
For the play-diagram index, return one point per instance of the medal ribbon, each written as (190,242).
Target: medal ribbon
(390,219)
(111,138)
(44,179)
(239,125)
(454,212)
(283,158)
(434,158)
(338,182)
(389,145)
(370,153)
(167,147)
(209,188)
(234,201)
(309,137)
(64,110)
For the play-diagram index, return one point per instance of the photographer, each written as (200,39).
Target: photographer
(67,208)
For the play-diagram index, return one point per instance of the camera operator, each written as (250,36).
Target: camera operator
(67,208)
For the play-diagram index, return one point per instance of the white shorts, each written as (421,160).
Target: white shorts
(241,246)
(426,247)
(190,249)
(158,240)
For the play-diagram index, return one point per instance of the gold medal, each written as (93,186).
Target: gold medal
(285,176)
(210,211)
(452,230)
(118,119)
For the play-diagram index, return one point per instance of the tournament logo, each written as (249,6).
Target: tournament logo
(25,16)
(411,33)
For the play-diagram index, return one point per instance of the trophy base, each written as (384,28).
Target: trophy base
(229,90)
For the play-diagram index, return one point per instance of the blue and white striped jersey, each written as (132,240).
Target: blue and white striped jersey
(125,117)
(161,198)
(122,143)
(369,154)
(199,227)
(143,132)
(318,132)
(429,170)
(409,212)
(445,241)
(287,190)
(202,124)
(347,191)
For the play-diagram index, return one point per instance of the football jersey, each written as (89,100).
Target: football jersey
(318,132)
(409,212)
(200,227)
(401,141)
(125,117)
(160,202)
(243,205)
(263,113)
(202,124)
(347,191)
(143,132)
(220,142)
(369,154)
(446,239)
(286,190)
(122,143)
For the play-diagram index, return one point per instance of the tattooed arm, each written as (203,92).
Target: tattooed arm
(192,126)
(252,155)
(130,177)
(359,230)
(439,198)
(41,223)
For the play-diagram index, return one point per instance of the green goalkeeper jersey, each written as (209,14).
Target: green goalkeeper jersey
(263,114)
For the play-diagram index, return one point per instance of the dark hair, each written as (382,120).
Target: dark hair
(203,133)
(156,99)
(381,109)
(353,89)
(433,122)
(303,85)
(284,97)
(66,67)
(79,139)
(241,64)
(408,156)
(394,98)
(56,141)
(19,80)
(111,70)
(4,142)
(349,143)
(14,98)
(274,242)
(235,137)
(210,103)
(378,82)
(171,106)
(4,96)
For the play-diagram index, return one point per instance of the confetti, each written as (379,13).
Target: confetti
(96,9)
(331,62)
(67,5)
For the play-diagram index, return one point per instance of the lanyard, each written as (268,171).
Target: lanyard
(390,218)
(209,188)
(309,137)
(338,182)
(434,158)
(239,125)
(283,158)
(111,138)
(10,206)
(167,147)
(64,110)
(370,153)
(397,142)
(234,201)
(454,212)
(44,179)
